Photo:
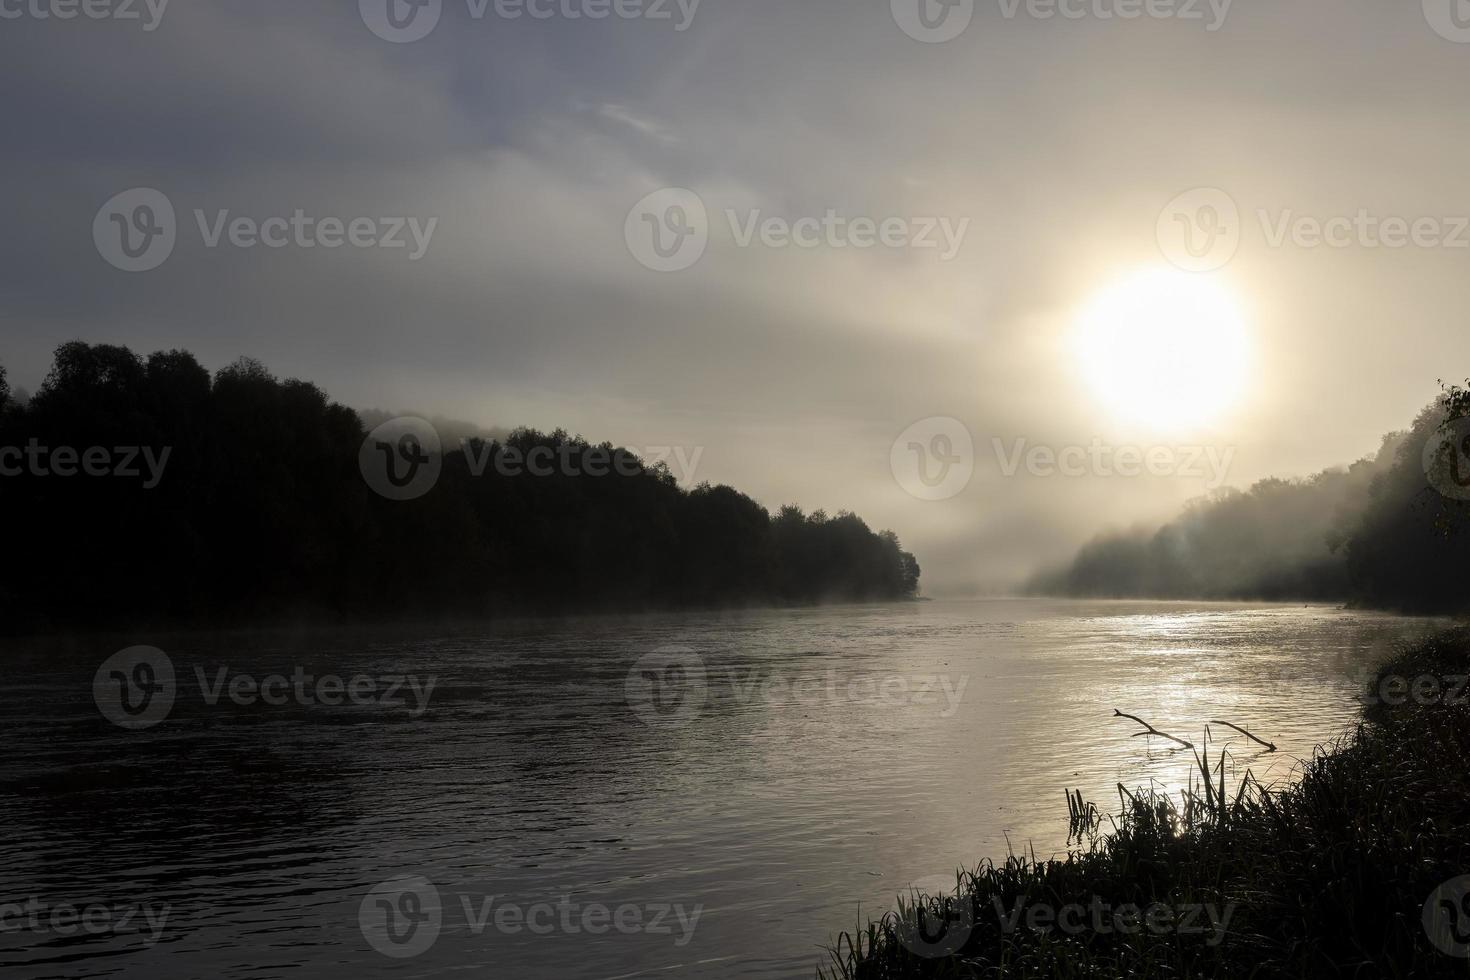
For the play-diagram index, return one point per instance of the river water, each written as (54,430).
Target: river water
(687,795)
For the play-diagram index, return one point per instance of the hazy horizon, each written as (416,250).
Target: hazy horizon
(1051,150)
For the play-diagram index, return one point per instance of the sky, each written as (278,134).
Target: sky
(970,190)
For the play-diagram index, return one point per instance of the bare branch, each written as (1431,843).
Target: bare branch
(1270,747)
(1151,729)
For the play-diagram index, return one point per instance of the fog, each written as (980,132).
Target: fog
(791,370)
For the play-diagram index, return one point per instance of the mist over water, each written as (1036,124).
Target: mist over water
(791,769)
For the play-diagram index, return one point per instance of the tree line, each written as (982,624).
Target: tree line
(1390,531)
(261,514)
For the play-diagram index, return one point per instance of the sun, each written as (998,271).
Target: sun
(1164,349)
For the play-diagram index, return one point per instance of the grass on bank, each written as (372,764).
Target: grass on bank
(1328,877)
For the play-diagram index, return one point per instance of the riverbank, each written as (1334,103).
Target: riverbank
(1346,872)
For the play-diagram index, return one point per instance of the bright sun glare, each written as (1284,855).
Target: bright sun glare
(1165,349)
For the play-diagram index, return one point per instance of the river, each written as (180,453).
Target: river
(691,795)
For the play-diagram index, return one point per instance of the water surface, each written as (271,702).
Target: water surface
(678,795)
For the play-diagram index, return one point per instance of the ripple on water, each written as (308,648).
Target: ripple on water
(835,756)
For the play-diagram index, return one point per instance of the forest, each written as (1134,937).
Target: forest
(236,498)
(1390,531)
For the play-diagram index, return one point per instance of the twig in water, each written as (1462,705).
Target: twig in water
(1151,730)
(1270,747)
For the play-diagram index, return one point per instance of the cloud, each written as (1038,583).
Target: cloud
(794,368)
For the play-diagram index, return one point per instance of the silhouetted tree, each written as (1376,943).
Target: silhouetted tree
(1377,533)
(1410,546)
(262,512)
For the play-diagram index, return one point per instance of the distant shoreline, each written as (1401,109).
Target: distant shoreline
(450,622)
(528,620)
